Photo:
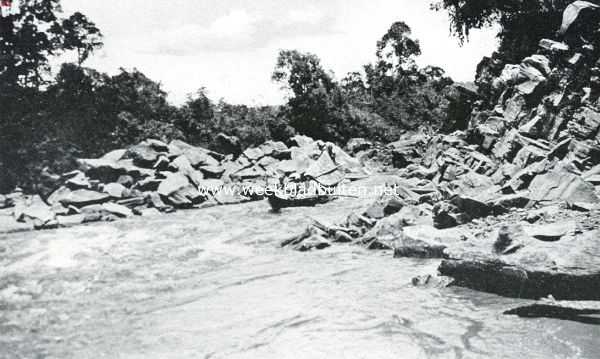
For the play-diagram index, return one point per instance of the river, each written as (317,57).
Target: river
(214,283)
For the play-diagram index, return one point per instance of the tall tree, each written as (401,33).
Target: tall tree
(30,37)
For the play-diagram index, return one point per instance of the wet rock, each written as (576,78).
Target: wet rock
(581,312)
(566,269)
(429,281)
(425,241)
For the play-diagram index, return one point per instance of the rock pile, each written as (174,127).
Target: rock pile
(154,177)
(511,204)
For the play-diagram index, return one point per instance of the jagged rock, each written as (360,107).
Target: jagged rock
(573,13)
(34,209)
(81,198)
(78,180)
(553,47)
(249,173)
(585,124)
(144,154)
(70,220)
(554,186)
(126,180)
(581,312)
(566,269)
(425,241)
(117,209)
(276,149)
(459,210)
(551,232)
(505,203)
(212,171)
(386,205)
(178,191)
(528,155)
(254,154)
(6,202)
(197,156)
(540,62)
(408,150)
(115,190)
(228,144)
(356,145)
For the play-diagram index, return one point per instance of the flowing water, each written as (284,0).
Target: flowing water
(214,283)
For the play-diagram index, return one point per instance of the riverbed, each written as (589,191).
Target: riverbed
(215,283)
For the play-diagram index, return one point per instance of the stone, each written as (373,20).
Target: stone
(384,206)
(528,155)
(459,210)
(276,149)
(212,171)
(143,154)
(82,197)
(585,124)
(509,239)
(567,269)
(540,62)
(70,220)
(553,46)
(34,209)
(556,186)
(572,14)
(425,241)
(115,190)
(78,181)
(254,154)
(126,181)
(117,209)
(551,232)
(197,156)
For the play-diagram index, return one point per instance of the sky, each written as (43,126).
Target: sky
(230,46)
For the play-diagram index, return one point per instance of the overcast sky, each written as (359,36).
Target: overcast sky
(230,46)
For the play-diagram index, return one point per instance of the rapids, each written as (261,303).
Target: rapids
(214,283)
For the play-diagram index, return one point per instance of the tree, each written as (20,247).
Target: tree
(29,38)
(396,50)
(316,97)
(522,22)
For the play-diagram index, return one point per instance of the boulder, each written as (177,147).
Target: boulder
(197,156)
(556,186)
(34,209)
(585,124)
(276,149)
(212,171)
(459,210)
(115,190)
(567,269)
(117,209)
(253,154)
(425,241)
(573,13)
(82,197)
(144,154)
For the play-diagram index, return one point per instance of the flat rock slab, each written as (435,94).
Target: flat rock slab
(568,269)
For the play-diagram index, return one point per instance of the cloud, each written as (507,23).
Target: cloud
(237,31)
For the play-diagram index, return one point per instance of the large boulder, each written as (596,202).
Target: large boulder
(459,210)
(561,185)
(79,198)
(566,269)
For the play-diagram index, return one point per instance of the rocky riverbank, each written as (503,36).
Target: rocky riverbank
(511,204)
(153,177)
